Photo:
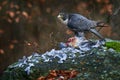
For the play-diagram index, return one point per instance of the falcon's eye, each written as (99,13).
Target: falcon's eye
(63,16)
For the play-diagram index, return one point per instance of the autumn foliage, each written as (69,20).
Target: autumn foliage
(60,75)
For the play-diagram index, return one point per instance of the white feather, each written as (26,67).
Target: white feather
(65,21)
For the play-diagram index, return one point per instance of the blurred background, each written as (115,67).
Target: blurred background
(28,26)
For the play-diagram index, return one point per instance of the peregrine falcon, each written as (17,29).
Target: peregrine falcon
(79,24)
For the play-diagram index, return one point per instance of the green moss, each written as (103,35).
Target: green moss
(114,44)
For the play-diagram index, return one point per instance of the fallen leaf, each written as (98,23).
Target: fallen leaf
(17,20)
(2,51)
(11,14)
(25,14)
(11,46)
(1,31)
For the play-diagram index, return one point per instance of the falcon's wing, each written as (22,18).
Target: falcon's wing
(78,23)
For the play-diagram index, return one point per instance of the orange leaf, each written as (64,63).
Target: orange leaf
(11,14)
(2,51)
(41,78)
(25,14)
(1,31)
(11,46)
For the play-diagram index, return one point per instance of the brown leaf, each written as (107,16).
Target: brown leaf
(29,5)
(1,31)
(11,5)
(17,20)
(53,73)
(48,10)
(9,20)
(11,46)
(15,41)
(2,51)
(99,1)
(16,6)
(60,75)
(106,1)
(69,32)
(41,78)
(109,8)
(25,14)
(11,14)
(17,12)
(0,8)
(4,3)
(73,73)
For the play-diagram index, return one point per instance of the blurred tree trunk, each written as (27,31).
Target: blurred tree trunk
(17,32)
(115,17)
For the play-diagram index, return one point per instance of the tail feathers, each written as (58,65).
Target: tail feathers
(102,24)
(94,31)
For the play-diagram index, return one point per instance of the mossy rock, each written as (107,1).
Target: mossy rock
(114,45)
(97,64)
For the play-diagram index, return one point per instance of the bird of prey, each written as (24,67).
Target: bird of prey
(79,24)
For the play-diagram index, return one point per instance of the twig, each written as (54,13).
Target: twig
(116,12)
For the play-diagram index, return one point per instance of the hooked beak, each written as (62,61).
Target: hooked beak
(60,18)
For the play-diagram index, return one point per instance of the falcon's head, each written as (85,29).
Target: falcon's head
(63,17)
